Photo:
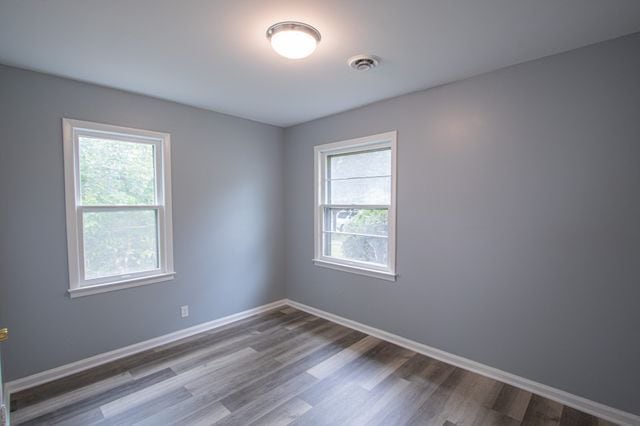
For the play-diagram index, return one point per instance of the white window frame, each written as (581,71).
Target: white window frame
(72,130)
(321,153)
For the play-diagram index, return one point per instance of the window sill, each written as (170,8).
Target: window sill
(388,276)
(119,285)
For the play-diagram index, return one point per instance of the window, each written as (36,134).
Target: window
(118,200)
(355,205)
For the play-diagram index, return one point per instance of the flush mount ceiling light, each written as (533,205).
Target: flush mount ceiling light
(294,40)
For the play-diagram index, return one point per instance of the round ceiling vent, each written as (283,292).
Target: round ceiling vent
(363,62)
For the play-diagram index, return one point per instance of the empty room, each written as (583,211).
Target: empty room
(305,212)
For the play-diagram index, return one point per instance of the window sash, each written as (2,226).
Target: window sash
(158,154)
(325,233)
(73,131)
(158,207)
(323,152)
(161,247)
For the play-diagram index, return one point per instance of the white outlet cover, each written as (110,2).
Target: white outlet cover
(184,311)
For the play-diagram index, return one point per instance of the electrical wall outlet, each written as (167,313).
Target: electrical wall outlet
(184,311)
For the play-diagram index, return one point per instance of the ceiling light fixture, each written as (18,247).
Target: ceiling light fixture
(294,40)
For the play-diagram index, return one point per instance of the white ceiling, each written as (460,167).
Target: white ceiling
(214,54)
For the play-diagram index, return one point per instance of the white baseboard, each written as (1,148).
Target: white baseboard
(84,364)
(591,407)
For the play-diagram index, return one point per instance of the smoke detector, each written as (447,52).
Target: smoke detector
(363,62)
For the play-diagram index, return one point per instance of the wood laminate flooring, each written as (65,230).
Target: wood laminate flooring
(284,367)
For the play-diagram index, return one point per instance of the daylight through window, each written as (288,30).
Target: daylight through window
(355,212)
(118,206)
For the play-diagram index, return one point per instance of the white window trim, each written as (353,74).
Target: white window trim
(381,140)
(71,130)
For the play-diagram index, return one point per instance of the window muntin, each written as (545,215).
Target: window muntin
(118,205)
(355,212)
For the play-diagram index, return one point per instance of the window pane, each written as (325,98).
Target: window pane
(360,221)
(360,191)
(360,164)
(355,247)
(116,173)
(120,242)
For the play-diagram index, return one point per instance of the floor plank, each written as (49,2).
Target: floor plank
(71,398)
(64,413)
(192,410)
(512,402)
(342,358)
(284,414)
(542,412)
(336,406)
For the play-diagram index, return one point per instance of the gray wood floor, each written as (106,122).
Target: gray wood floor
(284,367)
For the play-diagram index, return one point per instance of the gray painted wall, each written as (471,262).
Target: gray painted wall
(227,222)
(518,220)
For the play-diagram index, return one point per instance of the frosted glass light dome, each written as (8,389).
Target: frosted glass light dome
(293,40)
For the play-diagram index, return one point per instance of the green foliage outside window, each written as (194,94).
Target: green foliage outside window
(116,173)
